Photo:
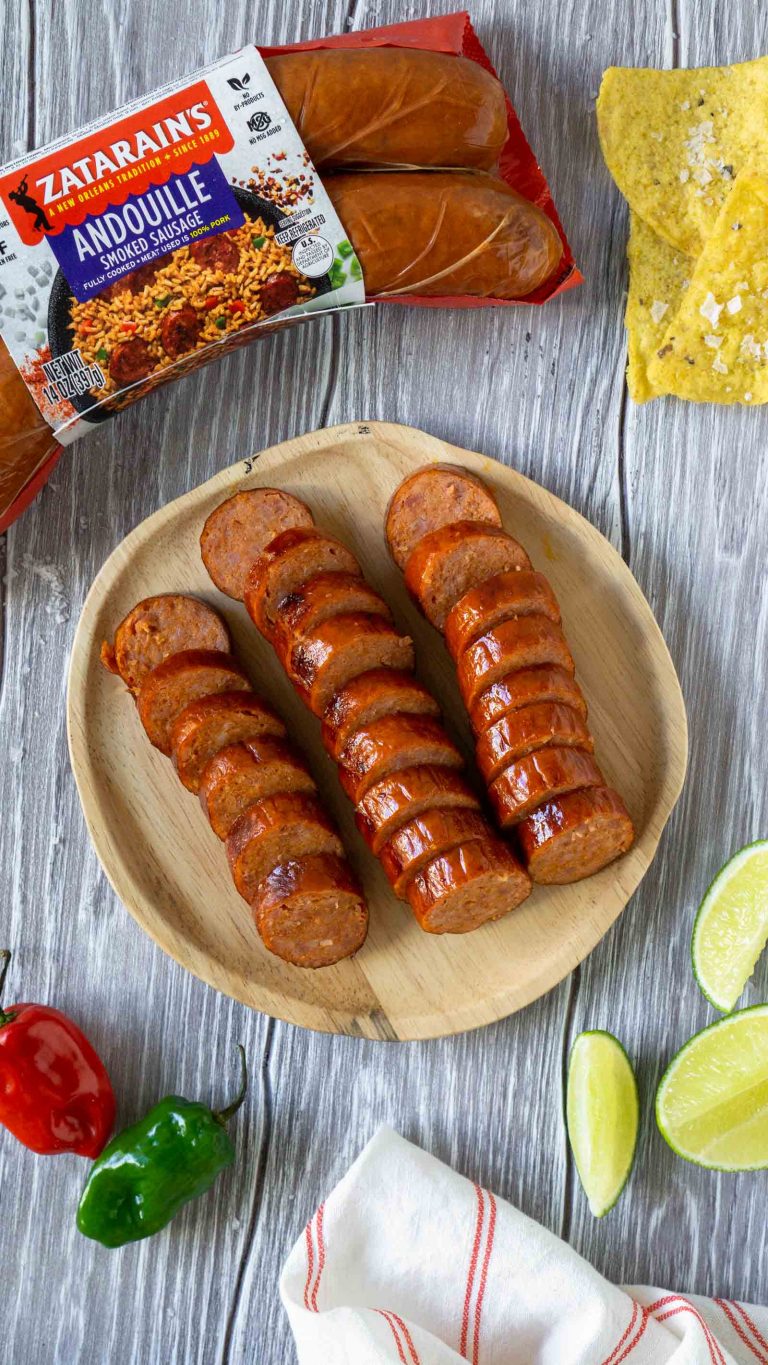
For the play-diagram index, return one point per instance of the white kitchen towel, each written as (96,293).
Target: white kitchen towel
(408,1263)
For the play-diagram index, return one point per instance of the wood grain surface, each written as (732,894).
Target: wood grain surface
(680,490)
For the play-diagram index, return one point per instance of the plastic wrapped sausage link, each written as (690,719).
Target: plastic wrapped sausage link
(269,187)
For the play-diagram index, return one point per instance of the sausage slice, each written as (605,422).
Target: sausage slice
(523,688)
(528,782)
(181,679)
(396,799)
(369,696)
(131,361)
(310,911)
(432,498)
(289,561)
(518,643)
(464,888)
(529,728)
(209,725)
(242,774)
(519,593)
(575,836)
(237,531)
(327,658)
(279,291)
(158,627)
(277,830)
(423,838)
(445,564)
(329,594)
(180,330)
(216,253)
(393,742)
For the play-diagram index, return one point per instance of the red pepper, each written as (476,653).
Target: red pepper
(55,1094)
(236,306)
(212,301)
(128,326)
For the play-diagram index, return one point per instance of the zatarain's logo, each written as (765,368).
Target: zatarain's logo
(136,151)
(87,170)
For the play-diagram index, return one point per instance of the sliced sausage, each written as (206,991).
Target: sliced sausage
(290,560)
(432,498)
(279,291)
(464,888)
(146,274)
(445,564)
(369,696)
(130,361)
(403,795)
(528,729)
(237,531)
(519,593)
(205,727)
(242,774)
(541,776)
(216,253)
(329,594)
(393,742)
(158,627)
(518,643)
(180,331)
(523,688)
(278,830)
(107,657)
(181,679)
(423,838)
(136,280)
(310,911)
(574,836)
(326,659)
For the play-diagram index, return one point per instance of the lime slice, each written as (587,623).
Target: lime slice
(602,1111)
(731,926)
(712,1103)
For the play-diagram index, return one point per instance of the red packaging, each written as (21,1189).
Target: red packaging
(453,34)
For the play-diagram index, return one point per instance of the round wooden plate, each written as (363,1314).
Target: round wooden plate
(170,870)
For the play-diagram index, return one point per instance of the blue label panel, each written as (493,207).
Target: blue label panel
(108,245)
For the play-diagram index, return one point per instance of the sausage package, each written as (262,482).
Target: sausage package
(273,185)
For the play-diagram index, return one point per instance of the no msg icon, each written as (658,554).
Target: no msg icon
(313,256)
(259,121)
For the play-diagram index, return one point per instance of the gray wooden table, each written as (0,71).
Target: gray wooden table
(680,489)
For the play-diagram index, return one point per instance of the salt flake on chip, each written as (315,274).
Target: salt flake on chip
(734,305)
(711,309)
(658,309)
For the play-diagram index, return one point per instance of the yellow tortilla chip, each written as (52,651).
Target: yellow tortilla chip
(675,140)
(715,349)
(658,276)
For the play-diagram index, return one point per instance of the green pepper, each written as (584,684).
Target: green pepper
(345,249)
(150,1170)
(102,356)
(258,242)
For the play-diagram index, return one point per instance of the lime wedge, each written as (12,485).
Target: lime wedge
(602,1111)
(712,1103)
(731,926)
